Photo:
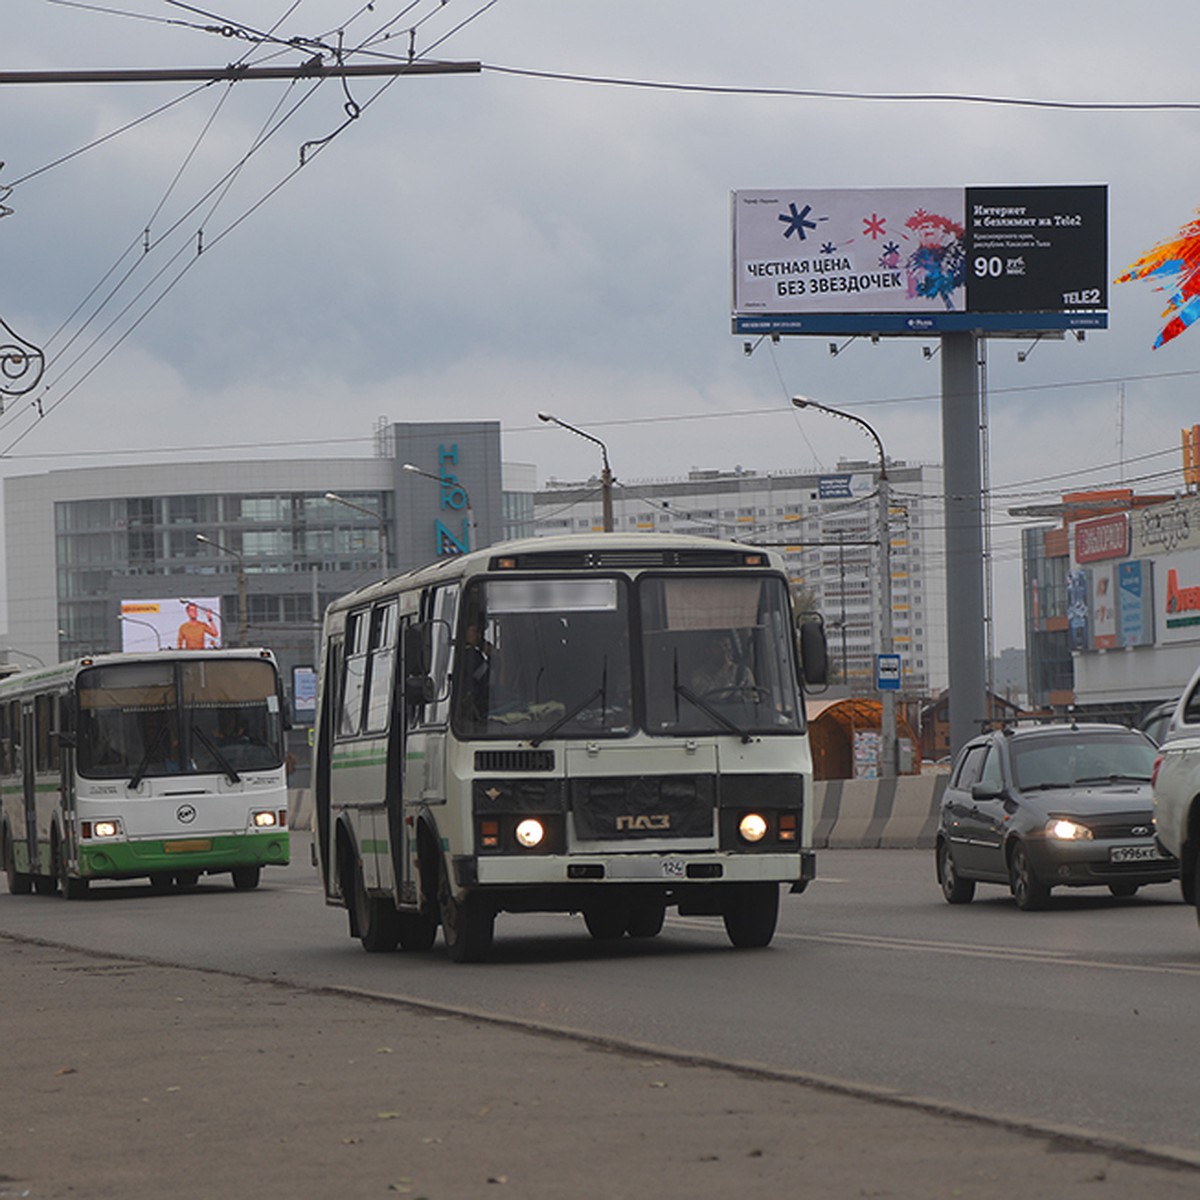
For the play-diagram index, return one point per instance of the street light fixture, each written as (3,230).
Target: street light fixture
(23,654)
(413,469)
(334,498)
(139,621)
(887,725)
(243,628)
(606,476)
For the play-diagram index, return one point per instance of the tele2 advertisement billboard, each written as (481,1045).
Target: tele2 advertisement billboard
(920,261)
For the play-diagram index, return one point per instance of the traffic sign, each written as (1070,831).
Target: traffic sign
(887,672)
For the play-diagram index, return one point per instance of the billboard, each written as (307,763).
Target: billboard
(920,261)
(178,623)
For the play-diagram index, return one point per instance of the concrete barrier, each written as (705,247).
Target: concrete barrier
(866,814)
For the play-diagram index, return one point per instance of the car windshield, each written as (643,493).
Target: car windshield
(1077,759)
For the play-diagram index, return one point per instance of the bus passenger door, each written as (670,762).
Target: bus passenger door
(26,768)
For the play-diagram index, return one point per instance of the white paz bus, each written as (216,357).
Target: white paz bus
(159,766)
(600,724)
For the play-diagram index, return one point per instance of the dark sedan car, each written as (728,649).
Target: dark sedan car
(1051,806)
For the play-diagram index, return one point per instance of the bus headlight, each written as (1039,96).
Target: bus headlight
(265,820)
(102,829)
(753,827)
(530,833)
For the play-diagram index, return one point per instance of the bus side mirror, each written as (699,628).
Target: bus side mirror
(814,653)
(418,684)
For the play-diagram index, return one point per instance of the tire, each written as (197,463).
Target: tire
(162,882)
(955,888)
(646,920)
(375,917)
(1030,893)
(187,879)
(20,883)
(45,885)
(70,887)
(751,913)
(606,924)
(417,931)
(468,925)
(245,879)
(1123,890)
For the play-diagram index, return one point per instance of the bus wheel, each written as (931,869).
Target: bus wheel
(245,879)
(375,917)
(417,931)
(467,924)
(19,882)
(606,924)
(646,920)
(45,885)
(161,882)
(751,911)
(187,879)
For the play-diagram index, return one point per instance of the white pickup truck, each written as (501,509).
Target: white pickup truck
(1177,791)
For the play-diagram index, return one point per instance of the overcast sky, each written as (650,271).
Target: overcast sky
(488,245)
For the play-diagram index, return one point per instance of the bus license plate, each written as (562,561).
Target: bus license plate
(187,847)
(1121,854)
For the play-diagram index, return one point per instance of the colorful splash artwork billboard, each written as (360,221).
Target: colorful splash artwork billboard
(920,261)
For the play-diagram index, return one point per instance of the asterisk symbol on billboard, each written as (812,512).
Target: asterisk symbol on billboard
(797,221)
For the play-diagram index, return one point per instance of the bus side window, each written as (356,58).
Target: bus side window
(445,613)
(5,742)
(381,667)
(354,674)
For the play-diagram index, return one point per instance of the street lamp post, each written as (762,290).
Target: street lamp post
(243,627)
(138,621)
(887,724)
(334,498)
(23,654)
(606,475)
(413,469)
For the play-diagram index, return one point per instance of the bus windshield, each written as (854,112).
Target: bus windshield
(540,658)
(202,717)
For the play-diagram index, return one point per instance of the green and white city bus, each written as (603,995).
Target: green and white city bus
(164,766)
(604,724)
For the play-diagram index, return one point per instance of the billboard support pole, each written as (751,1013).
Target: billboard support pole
(962,466)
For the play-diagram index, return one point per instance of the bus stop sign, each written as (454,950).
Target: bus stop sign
(887,672)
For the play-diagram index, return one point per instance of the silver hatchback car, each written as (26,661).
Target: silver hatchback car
(1051,806)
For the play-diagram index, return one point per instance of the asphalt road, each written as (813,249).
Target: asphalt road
(1079,1018)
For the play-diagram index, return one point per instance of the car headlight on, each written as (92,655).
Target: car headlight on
(529,833)
(753,827)
(1067,831)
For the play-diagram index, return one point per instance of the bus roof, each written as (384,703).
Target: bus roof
(577,551)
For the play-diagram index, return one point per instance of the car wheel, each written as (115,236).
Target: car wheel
(606,924)
(375,917)
(1123,890)
(245,879)
(646,921)
(751,911)
(468,924)
(1028,890)
(956,889)
(417,931)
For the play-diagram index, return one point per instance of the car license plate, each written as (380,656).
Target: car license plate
(1122,854)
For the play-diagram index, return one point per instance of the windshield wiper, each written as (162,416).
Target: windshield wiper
(1115,778)
(569,715)
(716,714)
(222,761)
(144,765)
